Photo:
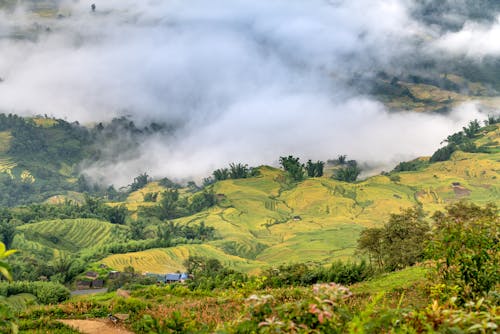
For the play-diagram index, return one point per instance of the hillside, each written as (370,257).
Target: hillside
(41,158)
(267,220)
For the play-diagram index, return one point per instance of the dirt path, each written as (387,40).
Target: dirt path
(95,326)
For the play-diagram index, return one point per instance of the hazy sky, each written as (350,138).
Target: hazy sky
(245,81)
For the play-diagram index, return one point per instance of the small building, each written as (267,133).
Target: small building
(176,277)
(97,284)
(91,274)
(83,285)
(113,274)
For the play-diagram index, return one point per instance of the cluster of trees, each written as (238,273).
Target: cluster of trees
(140,182)
(162,235)
(33,267)
(464,244)
(297,171)
(234,171)
(410,166)
(303,274)
(399,243)
(171,205)
(349,172)
(91,207)
(209,273)
(165,232)
(462,141)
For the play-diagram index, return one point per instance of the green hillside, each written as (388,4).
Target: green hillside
(266,220)
(68,235)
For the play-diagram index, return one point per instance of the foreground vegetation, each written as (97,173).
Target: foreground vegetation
(454,289)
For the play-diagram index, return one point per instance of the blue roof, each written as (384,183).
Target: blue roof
(173,277)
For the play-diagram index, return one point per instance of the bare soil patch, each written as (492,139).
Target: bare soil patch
(95,326)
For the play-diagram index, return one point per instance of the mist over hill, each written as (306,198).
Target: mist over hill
(253,80)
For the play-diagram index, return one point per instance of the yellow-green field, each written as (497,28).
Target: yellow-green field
(171,259)
(70,235)
(261,221)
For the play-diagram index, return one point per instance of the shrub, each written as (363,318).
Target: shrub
(466,248)
(45,292)
(443,154)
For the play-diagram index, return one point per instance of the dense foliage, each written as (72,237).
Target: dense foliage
(466,247)
(462,140)
(399,243)
(348,173)
(45,292)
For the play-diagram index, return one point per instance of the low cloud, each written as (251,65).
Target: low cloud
(243,81)
(474,40)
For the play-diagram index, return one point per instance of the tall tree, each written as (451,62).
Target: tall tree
(293,167)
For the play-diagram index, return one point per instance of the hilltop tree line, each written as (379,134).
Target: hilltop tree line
(463,140)
(347,170)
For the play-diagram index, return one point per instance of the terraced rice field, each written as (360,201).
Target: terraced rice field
(263,221)
(72,234)
(170,259)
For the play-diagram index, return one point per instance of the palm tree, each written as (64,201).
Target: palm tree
(4,266)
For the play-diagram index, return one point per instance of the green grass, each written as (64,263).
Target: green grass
(389,282)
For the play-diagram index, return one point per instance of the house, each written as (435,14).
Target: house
(176,278)
(91,274)
(97,284)
(83,285)
(113,274)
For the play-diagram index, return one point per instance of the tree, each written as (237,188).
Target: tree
(443,153)
(4,266)
(370,242)
(117,214)
(472,129)
(348,173)
(399,243)
(139,182)
(221,174)
(238,171)
(202,200)
(293,167)
(466,247)
(164,234)
(137,228)
(404,238)
(168,204)
(7,227)
(314,169)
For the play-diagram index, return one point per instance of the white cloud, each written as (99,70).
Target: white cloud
(248,80)
(474,40)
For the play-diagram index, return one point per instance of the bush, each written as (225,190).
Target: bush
(45,292)
(443,154)
(466,248)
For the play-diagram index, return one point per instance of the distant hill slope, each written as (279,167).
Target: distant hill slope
(67,235)
(40,157)
(266,221)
